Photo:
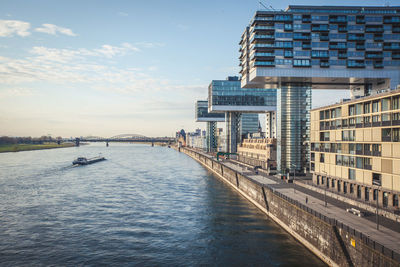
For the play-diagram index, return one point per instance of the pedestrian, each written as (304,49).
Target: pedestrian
(306,200)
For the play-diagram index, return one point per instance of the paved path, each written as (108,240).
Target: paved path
(387,235)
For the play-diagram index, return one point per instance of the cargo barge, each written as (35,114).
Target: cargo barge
(85,161)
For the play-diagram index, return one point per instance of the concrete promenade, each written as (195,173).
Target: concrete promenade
(387,235)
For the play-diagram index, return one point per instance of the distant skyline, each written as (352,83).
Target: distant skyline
(78,68)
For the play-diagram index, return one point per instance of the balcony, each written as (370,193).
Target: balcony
(376,153)
(325,64)
(352,37)
(338,19)
(376,124)
(391,46)
(320,28)
(374,29)
(386,139)
(374,55)
(391,20)
(355,64)
(367,167)
(360,47)
(360,20)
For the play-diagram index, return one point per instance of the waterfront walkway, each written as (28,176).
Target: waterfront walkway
(389,230)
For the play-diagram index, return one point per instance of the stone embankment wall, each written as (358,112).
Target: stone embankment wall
(335,243)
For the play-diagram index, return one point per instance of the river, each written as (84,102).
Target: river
(143,206)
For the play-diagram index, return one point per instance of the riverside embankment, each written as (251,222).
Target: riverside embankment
(28,147)
(332,239)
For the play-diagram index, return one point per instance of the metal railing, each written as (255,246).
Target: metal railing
(333,222)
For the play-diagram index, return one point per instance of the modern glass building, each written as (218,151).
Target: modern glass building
(318,47)
(227,96)
(249,123)
(202,115)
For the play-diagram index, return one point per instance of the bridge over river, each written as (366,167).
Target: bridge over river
(137,138)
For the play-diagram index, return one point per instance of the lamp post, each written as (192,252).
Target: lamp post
(326,176)
(377,204)
(294,177)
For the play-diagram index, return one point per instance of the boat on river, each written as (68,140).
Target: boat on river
(85,161)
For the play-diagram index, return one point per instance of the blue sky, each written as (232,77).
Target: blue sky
(104,68)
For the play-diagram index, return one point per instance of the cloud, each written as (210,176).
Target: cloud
(10,28)
(54,29)
(182,27)
(122,14)
(149,44)
(111,51)
(16,92)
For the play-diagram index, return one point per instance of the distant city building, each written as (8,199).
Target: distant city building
(202,115)
(317,47)
(355,148)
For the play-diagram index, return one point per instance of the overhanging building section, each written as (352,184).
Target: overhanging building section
(318,47)
(202,115)
(227,96)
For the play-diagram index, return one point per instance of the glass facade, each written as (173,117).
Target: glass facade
(293,127)
(248,123)
(201,113)
(227,95)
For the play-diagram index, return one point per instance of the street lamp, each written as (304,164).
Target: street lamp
(326,176)
(377,183)
(294,177)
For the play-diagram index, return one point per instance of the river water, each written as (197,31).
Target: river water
(144,206)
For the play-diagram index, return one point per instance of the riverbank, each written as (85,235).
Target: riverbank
(28,147)
(333,235)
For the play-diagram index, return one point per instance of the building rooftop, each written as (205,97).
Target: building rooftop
(362,99)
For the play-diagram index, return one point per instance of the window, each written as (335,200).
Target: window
(396,135)
(301,63)
(352,174)
(395,200)
(339,160)
(396,102)
(358,191)
(375,195)
(385,199)
(385,117)
(375,106)
(385,104)
(386,134)
(366,108)
(338,186)
(366,193)
(333,183)
(351,110)
(351,188)
(344,187)
(376,179)
(359,163)
(321,157)
(359,109)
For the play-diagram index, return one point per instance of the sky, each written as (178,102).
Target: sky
(103,68)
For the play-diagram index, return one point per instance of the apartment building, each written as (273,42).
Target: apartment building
(258,152)
(355,148)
